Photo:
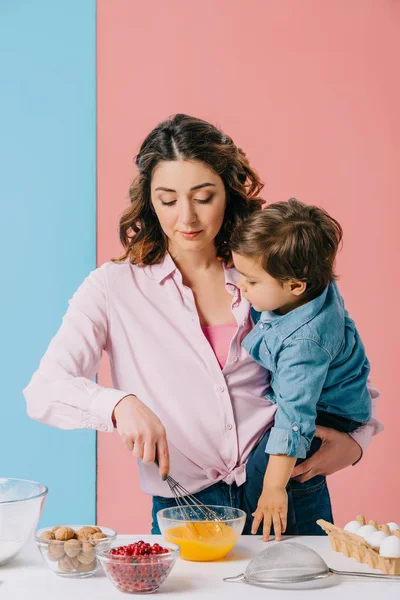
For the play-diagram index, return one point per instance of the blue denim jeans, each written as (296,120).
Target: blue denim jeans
(308,501)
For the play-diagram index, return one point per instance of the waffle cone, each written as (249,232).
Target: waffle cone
(354,546)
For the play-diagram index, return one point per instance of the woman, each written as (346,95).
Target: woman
(171,318)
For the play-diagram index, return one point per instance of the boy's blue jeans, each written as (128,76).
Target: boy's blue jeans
(308,501)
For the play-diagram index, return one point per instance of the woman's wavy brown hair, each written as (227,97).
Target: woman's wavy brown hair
(186,138)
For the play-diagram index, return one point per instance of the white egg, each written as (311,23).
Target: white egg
(392,526)
(352,526)
(390,547)
(365,531)
(376,538)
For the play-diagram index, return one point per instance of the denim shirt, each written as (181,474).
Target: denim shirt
(317,361)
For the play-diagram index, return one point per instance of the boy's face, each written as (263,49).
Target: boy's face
(260,289)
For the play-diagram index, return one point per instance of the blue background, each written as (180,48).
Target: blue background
(48,230)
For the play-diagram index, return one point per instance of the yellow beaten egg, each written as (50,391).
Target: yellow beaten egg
(203,541)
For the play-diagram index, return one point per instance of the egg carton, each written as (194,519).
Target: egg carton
(354,546)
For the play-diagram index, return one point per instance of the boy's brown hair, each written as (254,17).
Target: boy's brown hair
(292,241)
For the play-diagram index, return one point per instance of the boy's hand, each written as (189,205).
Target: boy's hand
(272,507)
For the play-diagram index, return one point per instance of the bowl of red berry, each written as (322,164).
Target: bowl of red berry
(137,567)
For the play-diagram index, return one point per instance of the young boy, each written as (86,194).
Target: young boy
(304,337)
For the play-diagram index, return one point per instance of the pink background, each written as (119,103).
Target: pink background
(310,90)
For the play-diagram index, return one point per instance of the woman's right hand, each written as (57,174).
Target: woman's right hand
(142,432)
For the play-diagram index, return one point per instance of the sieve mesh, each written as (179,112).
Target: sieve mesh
(285,563)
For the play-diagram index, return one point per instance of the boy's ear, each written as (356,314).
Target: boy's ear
(297,288)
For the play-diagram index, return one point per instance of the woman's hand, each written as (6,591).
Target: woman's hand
(142,432)
(338,450)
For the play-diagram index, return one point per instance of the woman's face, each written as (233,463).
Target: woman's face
(189,201)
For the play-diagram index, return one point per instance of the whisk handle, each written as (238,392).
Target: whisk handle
(165,476)
(235,579)
(371,575)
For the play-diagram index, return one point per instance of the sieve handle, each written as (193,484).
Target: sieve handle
(235,579)
(371,575)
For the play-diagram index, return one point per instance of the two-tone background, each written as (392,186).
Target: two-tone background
(309,89)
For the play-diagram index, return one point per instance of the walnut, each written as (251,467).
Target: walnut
(83,537)
(82,568)
(47,535)
(87,557)
(88,529)
(67,564)
(55,551)
(86,546)
(72,548)
(56,527)
(85,533)
(64,533)
(98,536)
(98,529)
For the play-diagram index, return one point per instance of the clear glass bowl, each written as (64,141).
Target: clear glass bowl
(137,574)
(73,558)
(200,539)
(21,504)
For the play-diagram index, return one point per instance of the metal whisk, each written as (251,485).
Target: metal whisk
(192,508)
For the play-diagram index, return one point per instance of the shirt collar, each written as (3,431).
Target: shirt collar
(160,271)
(285,325)
(231,277)
(166,267)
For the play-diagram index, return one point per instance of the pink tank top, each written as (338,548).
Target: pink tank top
(219,338)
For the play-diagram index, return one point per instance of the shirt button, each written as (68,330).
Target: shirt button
(261,326)
(221,389)
(234,359)
(103,427)
(229,426)
(295,428)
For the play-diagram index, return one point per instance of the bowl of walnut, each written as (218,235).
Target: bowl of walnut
(69,550)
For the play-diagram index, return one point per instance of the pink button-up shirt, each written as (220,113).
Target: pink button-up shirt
(146,320)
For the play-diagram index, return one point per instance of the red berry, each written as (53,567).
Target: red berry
(137,568)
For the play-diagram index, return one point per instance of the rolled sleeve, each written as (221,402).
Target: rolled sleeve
(287,441)
(301,371)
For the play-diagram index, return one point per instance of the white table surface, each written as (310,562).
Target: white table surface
(28,577)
